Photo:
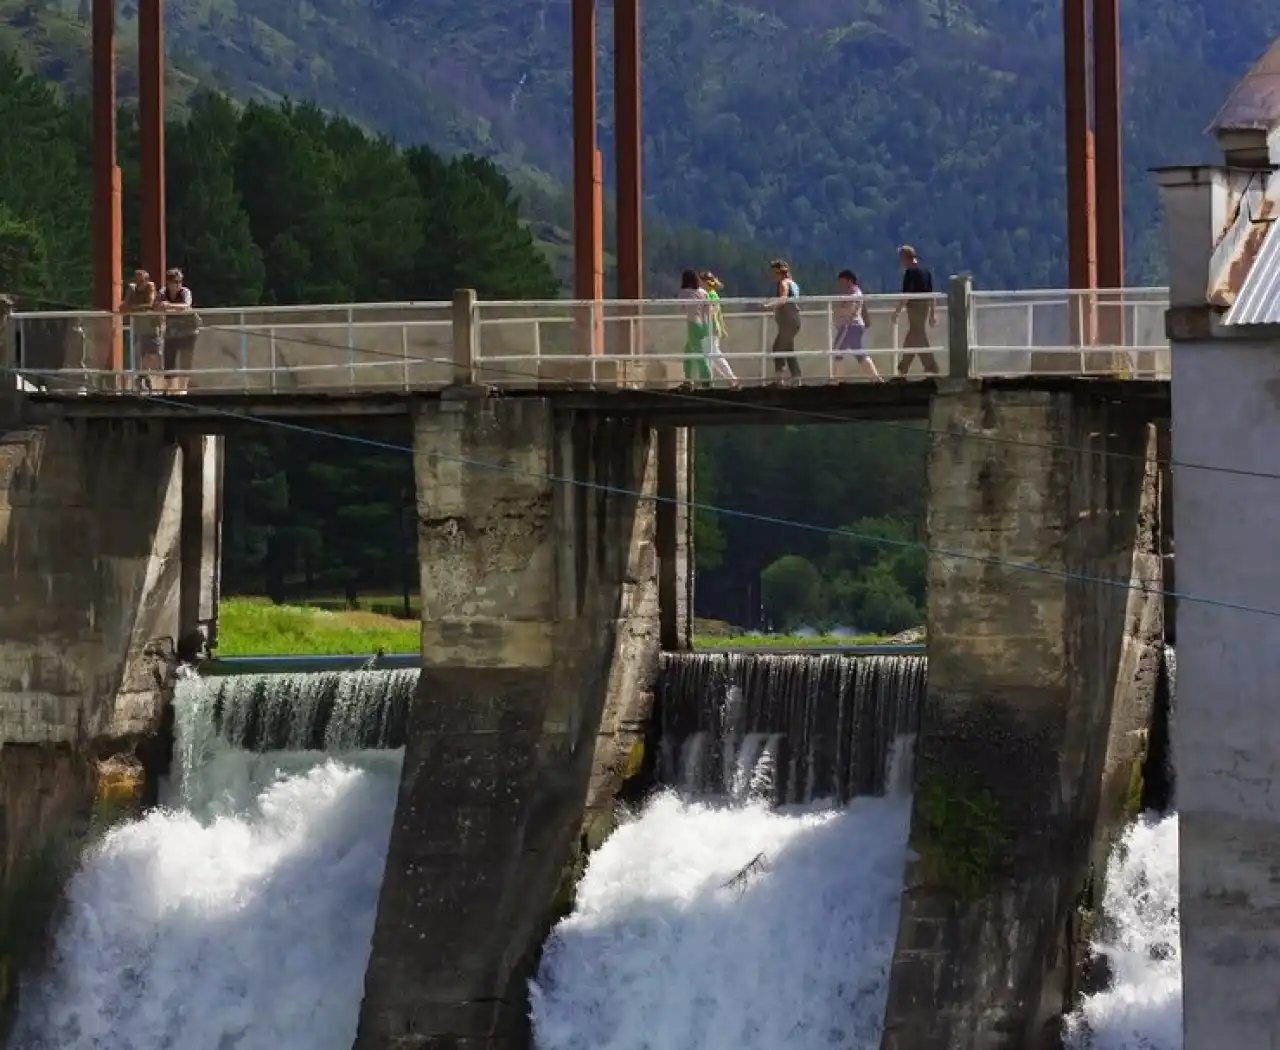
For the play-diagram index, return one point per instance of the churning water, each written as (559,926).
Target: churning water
(240,919)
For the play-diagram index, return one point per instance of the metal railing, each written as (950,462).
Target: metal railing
(643,344)
(605,344)
(1115,333)
(285,349)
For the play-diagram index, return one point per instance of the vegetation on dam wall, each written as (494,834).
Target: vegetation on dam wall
(960,833)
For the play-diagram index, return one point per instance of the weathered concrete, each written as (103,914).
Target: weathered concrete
(540,624)
(89,579)
(1025,669)
(201,553)
(1226,730)
(675,521)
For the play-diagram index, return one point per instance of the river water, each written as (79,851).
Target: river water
(240,917)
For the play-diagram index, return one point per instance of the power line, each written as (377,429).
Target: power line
(799,413)
(730,512)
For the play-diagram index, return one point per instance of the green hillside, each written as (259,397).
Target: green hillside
(829,132)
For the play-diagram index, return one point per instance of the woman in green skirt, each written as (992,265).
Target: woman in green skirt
(697,329)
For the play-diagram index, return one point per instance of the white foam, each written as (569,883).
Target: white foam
(1142,1010)
(667,949)
(247,931)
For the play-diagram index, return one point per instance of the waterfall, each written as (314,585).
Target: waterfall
(239,915)
(824,725)
(317,711)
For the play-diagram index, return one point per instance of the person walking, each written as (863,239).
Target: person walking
(786,315)
(916,280)
(715,355)
(697,329)
(851,324)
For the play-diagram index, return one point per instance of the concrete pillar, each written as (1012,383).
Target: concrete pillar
(202,462)
(1025,670)
(89,566)
(540,629)
(675,524)
(1226,726)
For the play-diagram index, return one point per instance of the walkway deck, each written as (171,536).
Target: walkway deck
(364,359)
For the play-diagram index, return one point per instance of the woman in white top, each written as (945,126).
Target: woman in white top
(851,324)
(697,329)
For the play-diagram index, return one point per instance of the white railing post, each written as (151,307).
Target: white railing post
(764,348)
(244,345)
(959,326)
(831,336)
(351,348)
(465,333)
(404,357)
(271,345)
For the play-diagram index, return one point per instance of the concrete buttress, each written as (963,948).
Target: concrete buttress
(1038,681)
(539,637)
(89,582)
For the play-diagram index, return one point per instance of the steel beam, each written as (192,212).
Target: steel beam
(1108,168)
(151,134)
(629,148)
(587,239)
(107,223)
(1081,251)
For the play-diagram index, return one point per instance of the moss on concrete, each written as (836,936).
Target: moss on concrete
(960,833)
(120,786)
(1135,791)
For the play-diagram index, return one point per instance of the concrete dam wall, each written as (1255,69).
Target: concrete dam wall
(549,577)
(90,568)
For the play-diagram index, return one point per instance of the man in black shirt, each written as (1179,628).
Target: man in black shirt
(916,280)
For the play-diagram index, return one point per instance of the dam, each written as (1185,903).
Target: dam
(467,821)
(270,856)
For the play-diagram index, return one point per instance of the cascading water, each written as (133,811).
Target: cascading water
(825,723)
(241,918)
(1139,939)
(1142,1007)
(732,927)
(319,711)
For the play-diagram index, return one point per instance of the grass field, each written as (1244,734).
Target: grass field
(255,627)
(784,641)
(324,627)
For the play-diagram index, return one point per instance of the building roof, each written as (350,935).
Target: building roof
(1258,301)
(1255,103)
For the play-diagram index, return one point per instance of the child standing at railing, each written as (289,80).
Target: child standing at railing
(719,363)
(697,329)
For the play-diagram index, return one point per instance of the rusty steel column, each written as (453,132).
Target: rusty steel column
(1081,228)
(106,203)
(151,134)
(587,239)
(629,148)
(1108,167)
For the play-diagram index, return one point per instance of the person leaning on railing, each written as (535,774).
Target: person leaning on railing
(144,342)
(181,326)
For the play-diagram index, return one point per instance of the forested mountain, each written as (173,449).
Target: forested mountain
(825,132)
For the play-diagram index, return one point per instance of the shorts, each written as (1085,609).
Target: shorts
(850,338)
